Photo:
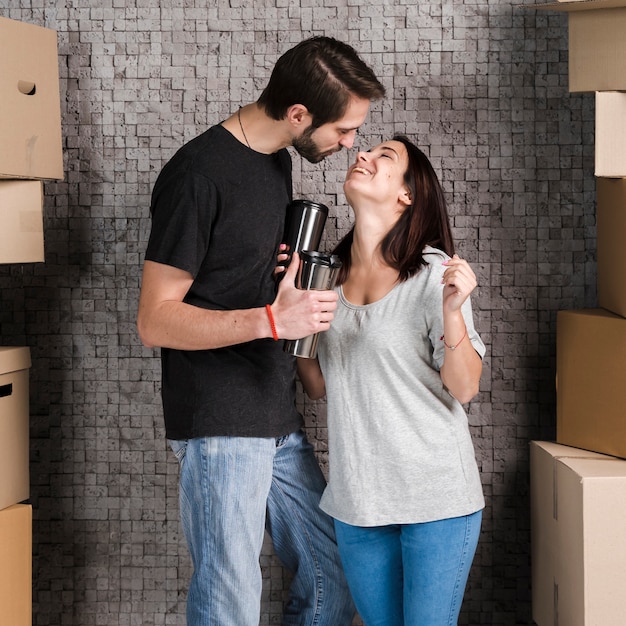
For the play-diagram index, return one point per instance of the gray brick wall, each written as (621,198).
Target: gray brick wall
(481,85)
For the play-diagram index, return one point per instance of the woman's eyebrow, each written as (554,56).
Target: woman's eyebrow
(390,149)
(384,148)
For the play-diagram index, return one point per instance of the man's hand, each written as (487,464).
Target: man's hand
(301,312)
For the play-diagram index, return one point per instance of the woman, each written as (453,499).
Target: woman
(396,365)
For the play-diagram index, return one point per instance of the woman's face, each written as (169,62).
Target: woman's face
(378,175)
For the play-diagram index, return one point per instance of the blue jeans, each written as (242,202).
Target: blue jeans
(409,575)
(231,489)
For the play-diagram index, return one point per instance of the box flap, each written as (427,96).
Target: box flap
(13,359)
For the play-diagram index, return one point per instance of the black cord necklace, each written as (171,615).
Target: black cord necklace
(243,132)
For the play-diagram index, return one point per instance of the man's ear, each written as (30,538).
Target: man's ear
(299,116)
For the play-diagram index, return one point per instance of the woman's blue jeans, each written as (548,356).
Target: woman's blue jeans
(409,575)
(231,489)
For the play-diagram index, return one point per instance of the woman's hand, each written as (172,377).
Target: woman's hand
(458,282)
(280,260)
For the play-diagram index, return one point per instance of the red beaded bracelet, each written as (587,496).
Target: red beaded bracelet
(443,338)
(268,308)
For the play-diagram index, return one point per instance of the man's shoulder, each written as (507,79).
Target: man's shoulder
(204,155)
(207,145)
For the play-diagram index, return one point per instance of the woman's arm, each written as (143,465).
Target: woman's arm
(462,365)
(311,378)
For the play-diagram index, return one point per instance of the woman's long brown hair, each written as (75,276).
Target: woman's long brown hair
(425,222)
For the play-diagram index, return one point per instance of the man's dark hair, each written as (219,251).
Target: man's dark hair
(322,74)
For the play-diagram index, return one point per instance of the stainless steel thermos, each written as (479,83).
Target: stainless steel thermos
(317,271)
(304,226)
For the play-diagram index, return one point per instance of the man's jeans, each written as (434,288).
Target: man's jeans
(227,484)
(411,574)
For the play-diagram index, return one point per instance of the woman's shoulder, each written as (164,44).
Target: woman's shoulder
(433,268)
(434,256)
(428,277)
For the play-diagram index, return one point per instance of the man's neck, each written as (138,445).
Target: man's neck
(254,128)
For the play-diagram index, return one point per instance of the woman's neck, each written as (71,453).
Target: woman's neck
(370,277)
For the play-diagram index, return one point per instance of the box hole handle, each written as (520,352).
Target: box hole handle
(27,87)
(6,390)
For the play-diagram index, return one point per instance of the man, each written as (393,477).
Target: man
(209,300)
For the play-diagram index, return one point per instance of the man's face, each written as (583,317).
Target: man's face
(315,144)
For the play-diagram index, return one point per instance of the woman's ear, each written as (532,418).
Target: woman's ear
(406,197)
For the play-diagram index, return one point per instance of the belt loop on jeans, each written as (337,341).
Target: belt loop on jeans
(280,441)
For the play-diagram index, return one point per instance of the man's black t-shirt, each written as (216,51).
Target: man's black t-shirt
(218,211)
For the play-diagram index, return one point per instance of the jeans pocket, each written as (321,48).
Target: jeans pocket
(179,448)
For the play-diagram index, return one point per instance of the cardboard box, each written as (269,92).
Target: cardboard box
(591,508)
(591,381)
(611,244)
(21,221)
(16,549)
(544,526)
(14,425)
(586,527)
(30,106)
(610,134)
(597,44)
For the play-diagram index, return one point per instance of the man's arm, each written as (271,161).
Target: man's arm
(165,321)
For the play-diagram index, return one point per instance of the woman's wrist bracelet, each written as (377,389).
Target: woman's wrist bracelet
(454,347)
(270,316)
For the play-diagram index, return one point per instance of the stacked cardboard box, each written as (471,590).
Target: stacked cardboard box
(30,135)
(578,513)
(15,516)
(591,361)
(30,152)
(578,485)
(597,46)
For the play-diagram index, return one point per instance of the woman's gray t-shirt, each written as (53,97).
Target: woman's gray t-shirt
(400,449)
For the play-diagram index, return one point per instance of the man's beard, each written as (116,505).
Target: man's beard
(308,149)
